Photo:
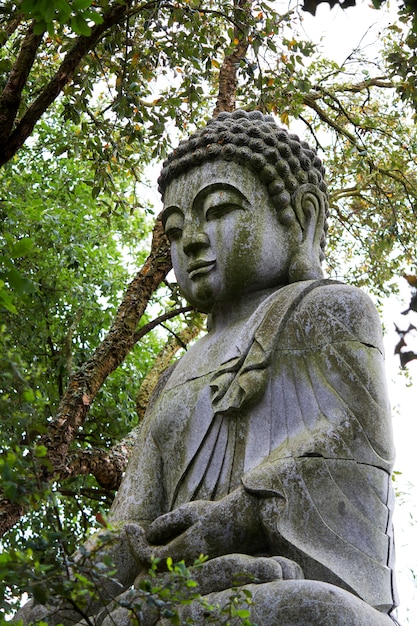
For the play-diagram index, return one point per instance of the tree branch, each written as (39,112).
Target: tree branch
(159,320)
(107,466)
(378,81)
(86,382)
(83,44)
(10,28)
(226,97)
(311,102)
(12,92)
(84,385)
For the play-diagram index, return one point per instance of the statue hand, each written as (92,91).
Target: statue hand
(207,527)
(235,570)
(138,544)
(290,569)
(172,524)
(180,534)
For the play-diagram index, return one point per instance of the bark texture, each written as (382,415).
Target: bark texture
(226,97)
(12,92)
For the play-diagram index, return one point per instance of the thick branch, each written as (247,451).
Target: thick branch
(12,92)
(226,97)
(84,385)
(107,466)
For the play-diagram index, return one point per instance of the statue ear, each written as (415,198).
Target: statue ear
(308,204)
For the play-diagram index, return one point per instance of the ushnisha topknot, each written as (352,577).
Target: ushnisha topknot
(281,160)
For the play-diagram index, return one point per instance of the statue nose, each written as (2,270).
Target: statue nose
(194,238)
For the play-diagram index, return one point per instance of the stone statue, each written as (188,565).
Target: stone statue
(268,446)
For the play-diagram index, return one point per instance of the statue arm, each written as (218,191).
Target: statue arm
(325,491)
(327,394)
(138,502)
(140,498)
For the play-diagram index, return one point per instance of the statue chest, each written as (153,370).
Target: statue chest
(205,455)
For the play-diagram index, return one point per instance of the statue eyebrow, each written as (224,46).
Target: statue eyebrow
(219,187)
(169,211)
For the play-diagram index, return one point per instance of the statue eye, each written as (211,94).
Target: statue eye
(217,211)
(173,233)
(174,225)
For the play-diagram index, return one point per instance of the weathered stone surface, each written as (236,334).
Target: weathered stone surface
(298,603)
(269,448)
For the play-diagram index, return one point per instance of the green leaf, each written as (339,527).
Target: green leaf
(19,283)
(94,16)
(64,10)
(40,594)
(6,299)
(80,26)
(28,395)
(22,247)
(40,27)
(41,452)
(80,5)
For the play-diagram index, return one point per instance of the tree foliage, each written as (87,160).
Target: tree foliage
(407,7)
(91,95)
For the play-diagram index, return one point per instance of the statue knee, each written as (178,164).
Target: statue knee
(311,603)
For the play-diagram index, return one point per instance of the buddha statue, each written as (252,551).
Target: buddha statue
(268,445)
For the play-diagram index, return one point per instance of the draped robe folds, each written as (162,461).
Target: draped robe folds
(295,410)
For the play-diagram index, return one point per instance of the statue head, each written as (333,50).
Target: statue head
(238,151)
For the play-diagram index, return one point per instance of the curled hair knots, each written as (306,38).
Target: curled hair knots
(281,160)
(257,162)
(228,151)
(243,155)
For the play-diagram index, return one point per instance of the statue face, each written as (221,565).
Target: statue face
(226,239)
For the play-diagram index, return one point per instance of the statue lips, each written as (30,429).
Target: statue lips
(200,267)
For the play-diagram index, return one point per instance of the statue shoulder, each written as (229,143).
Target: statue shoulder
(339,312)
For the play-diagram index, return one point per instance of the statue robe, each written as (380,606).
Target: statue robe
(295,410)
